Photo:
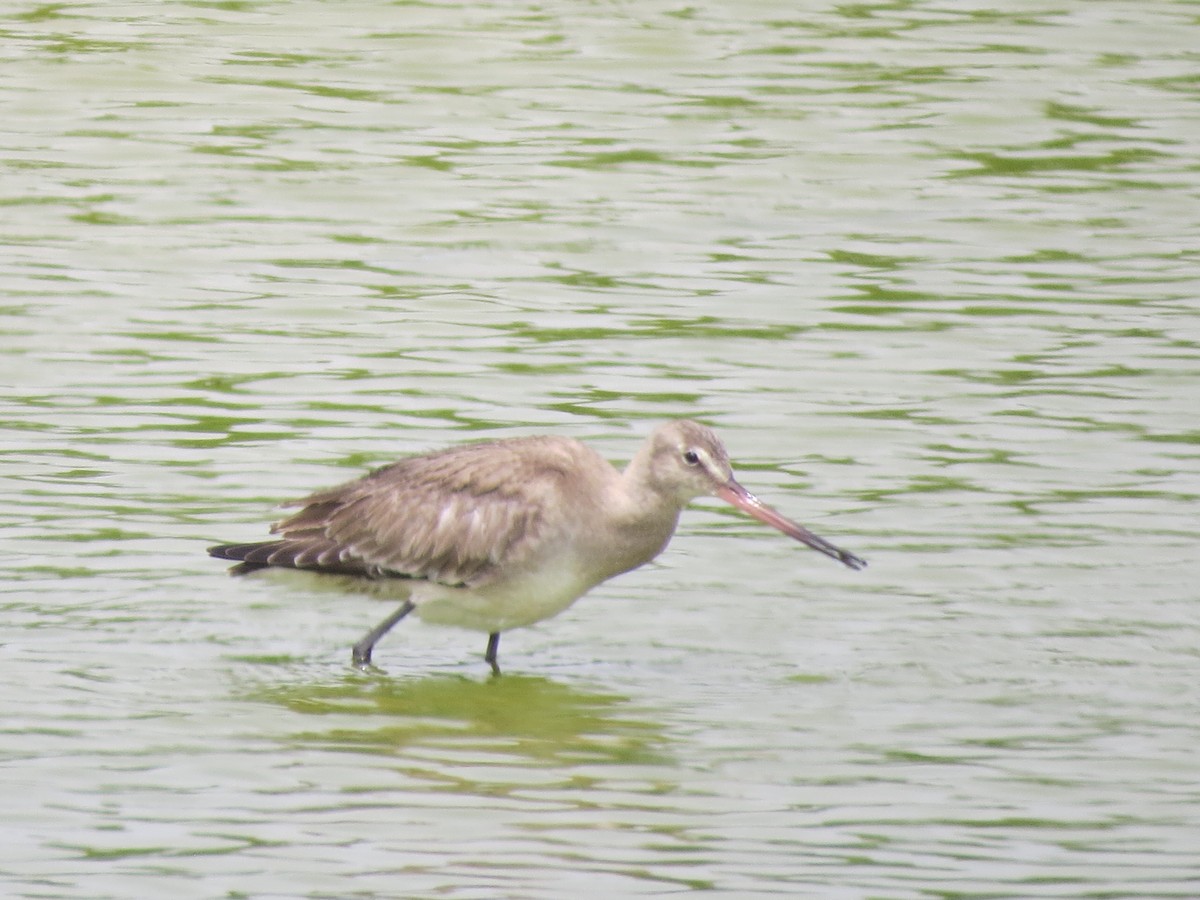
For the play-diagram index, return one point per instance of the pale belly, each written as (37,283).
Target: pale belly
(503,605)
(489,608)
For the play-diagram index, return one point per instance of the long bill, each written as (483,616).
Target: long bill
(733,493)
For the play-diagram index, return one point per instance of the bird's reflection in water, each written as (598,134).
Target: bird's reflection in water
(467,776)
(518,716)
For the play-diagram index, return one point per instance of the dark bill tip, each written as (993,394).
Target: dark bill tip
(736,495)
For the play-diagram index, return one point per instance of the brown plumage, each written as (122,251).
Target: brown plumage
(502,534)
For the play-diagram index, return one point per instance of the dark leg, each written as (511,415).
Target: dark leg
(361,655)
(490,656)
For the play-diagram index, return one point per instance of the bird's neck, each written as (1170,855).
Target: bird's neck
(639,520)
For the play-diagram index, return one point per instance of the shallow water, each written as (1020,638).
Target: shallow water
(929,268)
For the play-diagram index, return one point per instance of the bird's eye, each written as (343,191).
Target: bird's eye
(691,457)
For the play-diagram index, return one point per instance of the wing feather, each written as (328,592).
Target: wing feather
(453,517)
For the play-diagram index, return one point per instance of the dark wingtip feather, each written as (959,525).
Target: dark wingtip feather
(250,557)
(238,552)
(246,568)
(294,555)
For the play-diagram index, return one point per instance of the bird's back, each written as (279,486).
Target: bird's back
(458,516)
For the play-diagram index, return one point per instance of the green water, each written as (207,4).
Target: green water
(930,269)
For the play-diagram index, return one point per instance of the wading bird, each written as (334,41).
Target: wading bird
(494,536)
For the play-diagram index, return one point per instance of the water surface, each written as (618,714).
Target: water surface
(930,269)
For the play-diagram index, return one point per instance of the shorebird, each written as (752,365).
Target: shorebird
(494,536)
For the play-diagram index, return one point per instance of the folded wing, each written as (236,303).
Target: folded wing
(452,517)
